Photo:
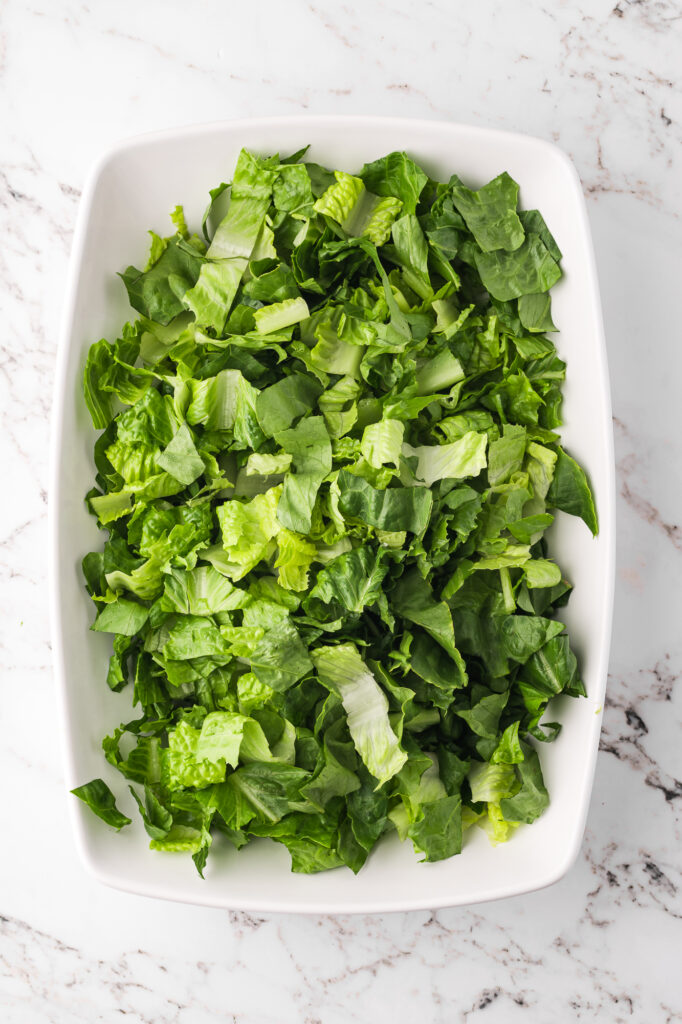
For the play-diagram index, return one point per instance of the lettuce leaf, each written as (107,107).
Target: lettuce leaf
(394,509)
(366,706)
(211,298)
(101,801)
(456,461)
(310,449)
(490,213)
(396,175)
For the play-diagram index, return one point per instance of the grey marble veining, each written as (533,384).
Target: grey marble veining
(602,79)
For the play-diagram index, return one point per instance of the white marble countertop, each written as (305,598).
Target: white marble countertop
(600,78)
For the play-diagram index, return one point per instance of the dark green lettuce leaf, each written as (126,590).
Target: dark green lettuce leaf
(367,811)
(121,616)
(525,271)
(490,213)
(413,599)
(444,673)
(522,635)
(353,579)
(437,832)
(156,817)
(532,798)
(411,251)
(534,223)
(393,509)
(336,774)
(483,716)
(554,669)
(570,491)
(262,792)
(158,292)
(98,399)
(101,800)
(396,175)
(535,312)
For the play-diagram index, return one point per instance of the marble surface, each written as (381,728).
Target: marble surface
(602,79)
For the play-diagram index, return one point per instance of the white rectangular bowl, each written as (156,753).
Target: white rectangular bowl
(133,188)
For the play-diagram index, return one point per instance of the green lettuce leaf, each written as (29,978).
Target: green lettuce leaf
(396,175)
(279,659)
(570,491)
(532,798)
(463,458)
(528,270)
(353,579)
(230,250)
(394,509)
(344,672)
(310,448)
(535,313)
(101,801)
(121,616)
(159,292)
(180,457)
(490,213)
(279,405)
(280,314)
(358,211)
(382,442)
(248,531)
(226,402)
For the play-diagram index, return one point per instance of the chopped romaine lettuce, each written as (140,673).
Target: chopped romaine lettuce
(328,457)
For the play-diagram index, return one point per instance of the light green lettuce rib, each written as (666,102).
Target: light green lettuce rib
(343,670)
(359,212)
(228,254)
(279,315)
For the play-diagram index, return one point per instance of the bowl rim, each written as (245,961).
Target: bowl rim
(607,514)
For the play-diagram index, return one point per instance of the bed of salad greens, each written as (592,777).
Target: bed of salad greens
(327,461)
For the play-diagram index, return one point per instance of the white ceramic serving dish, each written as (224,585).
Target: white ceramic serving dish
(132,188)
